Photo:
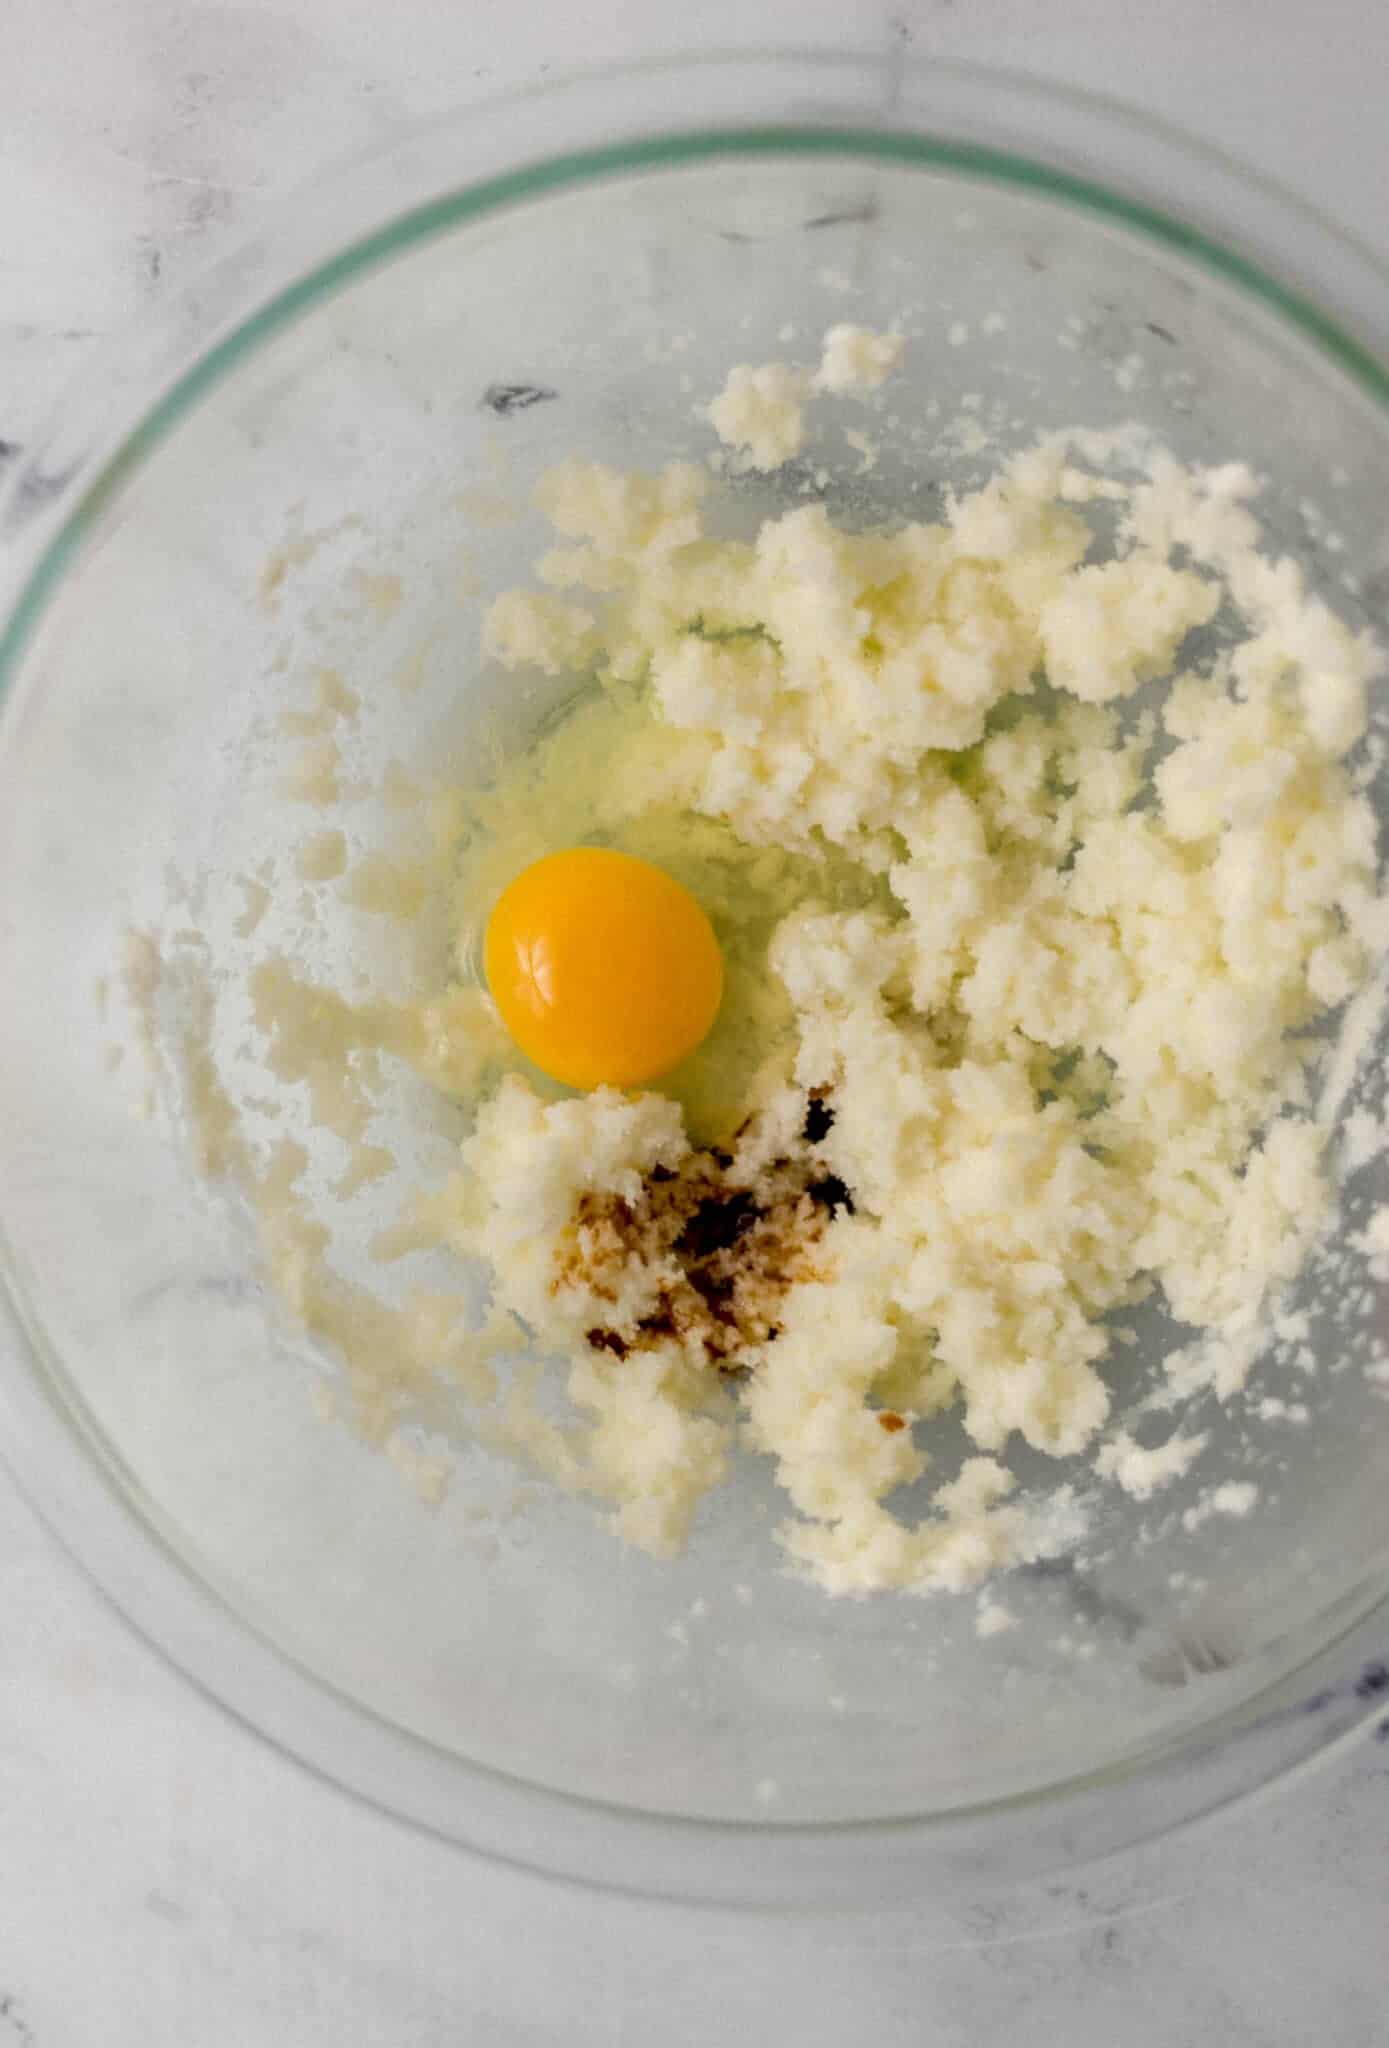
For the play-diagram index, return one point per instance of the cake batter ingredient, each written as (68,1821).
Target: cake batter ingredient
(1060,1061)
(604,969)
(857,359)
(761,410)
(1034,846)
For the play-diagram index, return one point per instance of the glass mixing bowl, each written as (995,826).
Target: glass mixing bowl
(315,458)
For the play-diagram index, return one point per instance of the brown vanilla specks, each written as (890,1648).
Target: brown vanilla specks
(724,1247)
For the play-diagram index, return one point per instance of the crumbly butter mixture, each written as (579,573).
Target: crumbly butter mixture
(1039,874)
(760,413)
(1058,1057)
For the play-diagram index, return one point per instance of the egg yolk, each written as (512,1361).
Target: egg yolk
(605,970)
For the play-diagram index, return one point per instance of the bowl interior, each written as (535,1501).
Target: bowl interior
(345,496)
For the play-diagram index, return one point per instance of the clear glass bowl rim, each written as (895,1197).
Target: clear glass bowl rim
(1078,148)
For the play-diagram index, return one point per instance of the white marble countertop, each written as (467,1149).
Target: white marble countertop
(167,1882)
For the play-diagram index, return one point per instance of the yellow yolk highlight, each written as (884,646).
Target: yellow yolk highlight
(604,969)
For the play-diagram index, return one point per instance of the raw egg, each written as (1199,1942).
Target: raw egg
(605,970)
